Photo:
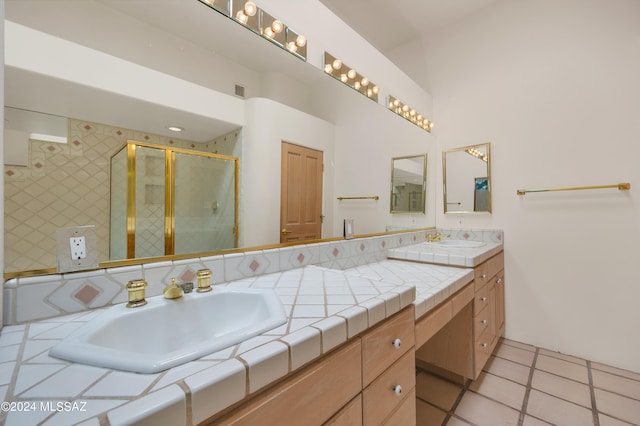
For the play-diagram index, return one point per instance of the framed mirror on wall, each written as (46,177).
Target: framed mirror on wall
(409,184)
(467,179)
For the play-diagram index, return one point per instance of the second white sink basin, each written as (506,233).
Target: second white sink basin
(166,333)
(459,243)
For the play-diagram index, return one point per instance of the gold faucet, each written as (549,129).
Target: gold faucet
(172,291)
(136,293)
(433,238)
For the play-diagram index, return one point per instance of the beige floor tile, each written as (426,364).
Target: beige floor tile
(557,411)
(508,369)
(514,354)
(439,392)
(518,345)
(482,411)
(454,421)
(559,355)
(617,406)
(532,421)
(613,370)
(610,421)
(616,384)
(563,368)
(499,389)
(428,415)
(561,387)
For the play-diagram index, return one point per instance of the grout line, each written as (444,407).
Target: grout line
(527,391)
(594,407)
(452,410)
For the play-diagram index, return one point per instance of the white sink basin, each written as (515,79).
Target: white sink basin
(166,333)
(459,243)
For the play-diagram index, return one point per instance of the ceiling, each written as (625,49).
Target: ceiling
(387,24)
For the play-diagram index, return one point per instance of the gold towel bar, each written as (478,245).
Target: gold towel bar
(625,186)
(374,197)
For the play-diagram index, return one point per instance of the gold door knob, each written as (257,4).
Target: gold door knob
(284,231)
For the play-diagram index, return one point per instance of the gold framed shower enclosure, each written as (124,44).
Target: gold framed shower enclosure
(205,190)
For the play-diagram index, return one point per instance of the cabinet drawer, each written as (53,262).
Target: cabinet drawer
(483,349)
(461,298)
(310,397)
(380,398)
(481,299)
(351,414)
(495,264)
(405,415)
(481,275)
(481,323)
(378,348)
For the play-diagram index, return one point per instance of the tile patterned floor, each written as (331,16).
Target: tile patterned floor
(522,385)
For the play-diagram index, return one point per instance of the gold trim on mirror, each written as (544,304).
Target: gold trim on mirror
(467,182)
(408,173)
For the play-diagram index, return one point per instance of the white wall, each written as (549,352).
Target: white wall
(267,124)
(554,85)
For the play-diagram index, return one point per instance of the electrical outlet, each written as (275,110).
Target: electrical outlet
(78,248)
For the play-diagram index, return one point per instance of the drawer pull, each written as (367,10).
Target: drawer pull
(397,389)
(396,343)
(484,299)
(499,280)
(484,321)
(484,345)
(484,275)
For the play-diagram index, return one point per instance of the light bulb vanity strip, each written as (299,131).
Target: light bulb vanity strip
(405,111)
(624,186)
(340,71)
(248,14)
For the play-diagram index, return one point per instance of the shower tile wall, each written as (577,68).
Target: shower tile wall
(68,185)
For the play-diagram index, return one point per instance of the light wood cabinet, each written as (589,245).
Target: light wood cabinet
(460,334)
(369,380)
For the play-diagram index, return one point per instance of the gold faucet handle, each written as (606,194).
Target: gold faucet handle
(135,288)
(204,280)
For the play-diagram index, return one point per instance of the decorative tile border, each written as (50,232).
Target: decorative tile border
(32,298)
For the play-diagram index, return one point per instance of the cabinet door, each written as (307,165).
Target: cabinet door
(310,397)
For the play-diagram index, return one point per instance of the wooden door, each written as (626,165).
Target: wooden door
(301,194)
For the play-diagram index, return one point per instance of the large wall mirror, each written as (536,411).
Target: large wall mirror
(409,184)
(92,116)
(467,179)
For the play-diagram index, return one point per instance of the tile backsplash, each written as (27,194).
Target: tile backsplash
(33,298)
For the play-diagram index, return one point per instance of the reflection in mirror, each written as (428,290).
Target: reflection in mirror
(467,179)
(167,201)
(58,185)
(408,184)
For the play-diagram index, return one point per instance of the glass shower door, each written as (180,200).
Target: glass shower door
(205,203)
(150,192)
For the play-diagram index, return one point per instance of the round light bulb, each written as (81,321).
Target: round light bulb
(344,78)
(301,41)
(240,16)
(376,89)
(396,102)
(420,117)
(292,46)
(351,74)
(268,32)
(328,69)
(250,8)
(412,112)
(430,125)
(365,81)
(357,85)
(405,108)
(277,26)
(369,92)
(337,64)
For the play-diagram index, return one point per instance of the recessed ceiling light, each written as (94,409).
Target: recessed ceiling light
(175,128)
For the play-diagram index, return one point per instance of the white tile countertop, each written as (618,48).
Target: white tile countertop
(433,283)
(325,308)
(456,256)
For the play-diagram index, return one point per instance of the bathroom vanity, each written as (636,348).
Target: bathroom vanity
(347,354)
